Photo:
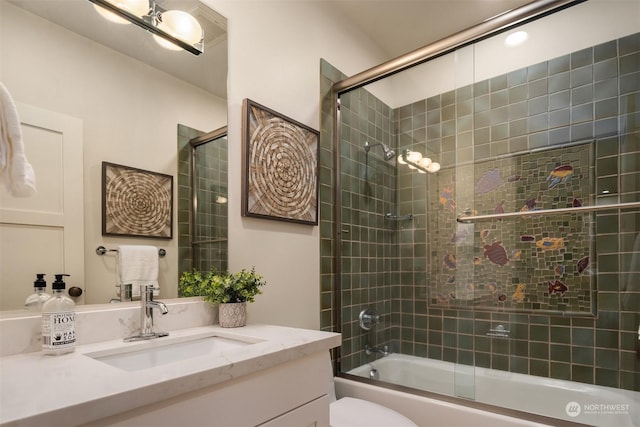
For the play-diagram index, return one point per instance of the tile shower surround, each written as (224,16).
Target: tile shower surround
(592,95)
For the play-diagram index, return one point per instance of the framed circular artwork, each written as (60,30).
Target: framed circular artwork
(136,202)
(280,166)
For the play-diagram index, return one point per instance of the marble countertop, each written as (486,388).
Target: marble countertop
(75,388)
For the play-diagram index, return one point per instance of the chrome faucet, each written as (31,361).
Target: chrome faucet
(147,304)
(369,350)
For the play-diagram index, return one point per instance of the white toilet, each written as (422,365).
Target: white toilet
(351,412)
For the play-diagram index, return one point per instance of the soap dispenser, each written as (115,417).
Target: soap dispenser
(58,321)
(39,296)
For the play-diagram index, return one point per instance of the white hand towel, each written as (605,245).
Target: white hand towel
(138,265)
(15,169)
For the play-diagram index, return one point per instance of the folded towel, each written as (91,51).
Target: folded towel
(138,265)
(15,170)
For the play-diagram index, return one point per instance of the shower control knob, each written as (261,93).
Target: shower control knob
(367,319)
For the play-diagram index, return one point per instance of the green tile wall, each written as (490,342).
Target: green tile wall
(592,96)
(328,253)
(370,260)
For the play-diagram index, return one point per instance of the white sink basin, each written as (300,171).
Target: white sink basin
(160,353)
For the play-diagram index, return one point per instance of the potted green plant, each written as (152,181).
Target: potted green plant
(231,291)
(193,283)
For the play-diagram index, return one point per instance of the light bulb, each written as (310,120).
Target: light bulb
(414,157)
(135,7)
(401,159)
(425,162)
(180,25)
(434,167)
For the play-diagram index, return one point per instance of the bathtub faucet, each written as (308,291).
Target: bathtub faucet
(369,350)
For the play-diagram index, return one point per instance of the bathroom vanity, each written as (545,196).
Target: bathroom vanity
(198,375)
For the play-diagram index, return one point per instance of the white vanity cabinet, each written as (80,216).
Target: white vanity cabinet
(280,378)
(287,395)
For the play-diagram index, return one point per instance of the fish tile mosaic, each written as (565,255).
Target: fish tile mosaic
(489,181)
(530,263)
(496,253)
(559,175)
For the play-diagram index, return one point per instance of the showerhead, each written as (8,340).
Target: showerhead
(388,152)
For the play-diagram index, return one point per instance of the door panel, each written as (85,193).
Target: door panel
(44,233)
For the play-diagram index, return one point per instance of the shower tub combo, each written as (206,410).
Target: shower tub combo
(558,399)
(485,217)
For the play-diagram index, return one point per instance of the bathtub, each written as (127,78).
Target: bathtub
(486,397)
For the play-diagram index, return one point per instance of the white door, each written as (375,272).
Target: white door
(44,233)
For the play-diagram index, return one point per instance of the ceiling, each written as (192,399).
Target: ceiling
(401,26)
(396,26)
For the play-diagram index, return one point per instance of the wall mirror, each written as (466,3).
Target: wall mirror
(123,98)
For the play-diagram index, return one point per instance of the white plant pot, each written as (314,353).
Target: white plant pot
(232,315)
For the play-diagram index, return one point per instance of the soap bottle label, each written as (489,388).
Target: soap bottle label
(58,330)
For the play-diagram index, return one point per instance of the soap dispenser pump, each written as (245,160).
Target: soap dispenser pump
(35,301)
(58,321)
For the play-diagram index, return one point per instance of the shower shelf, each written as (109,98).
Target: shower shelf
(498,332)
(478,218)
(393,217)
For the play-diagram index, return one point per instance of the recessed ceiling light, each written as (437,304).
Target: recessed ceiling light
(515,39)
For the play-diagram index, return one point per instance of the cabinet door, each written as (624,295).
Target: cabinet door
(44,233)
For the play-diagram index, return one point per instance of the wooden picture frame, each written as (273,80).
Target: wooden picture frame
(280,166)
(136,202)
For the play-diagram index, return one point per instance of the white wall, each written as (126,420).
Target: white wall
(274,59)
(130,114)
(578,27)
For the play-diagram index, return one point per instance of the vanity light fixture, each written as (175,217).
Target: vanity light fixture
(180,25)
(136,7)
(416,161)
(172,29)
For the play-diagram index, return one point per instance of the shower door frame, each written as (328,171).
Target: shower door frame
(501,23)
